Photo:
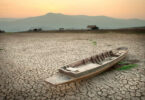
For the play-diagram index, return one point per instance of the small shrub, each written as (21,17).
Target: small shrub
(94,42)
(126,66)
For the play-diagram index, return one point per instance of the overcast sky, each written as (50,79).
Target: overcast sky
(113,8)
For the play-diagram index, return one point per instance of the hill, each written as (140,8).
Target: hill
(53,21)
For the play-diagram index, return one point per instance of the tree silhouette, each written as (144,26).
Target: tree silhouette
(2,31)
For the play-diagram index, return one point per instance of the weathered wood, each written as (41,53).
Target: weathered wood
(88,67)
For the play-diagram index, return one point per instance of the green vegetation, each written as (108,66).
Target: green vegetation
(1,49)
(94,42)
(126,66)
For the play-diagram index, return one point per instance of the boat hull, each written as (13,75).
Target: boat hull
(61,78)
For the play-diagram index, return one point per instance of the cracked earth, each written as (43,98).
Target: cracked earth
(27,59)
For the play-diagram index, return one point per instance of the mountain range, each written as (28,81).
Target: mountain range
(52,21)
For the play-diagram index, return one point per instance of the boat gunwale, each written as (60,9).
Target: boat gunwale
(91,60)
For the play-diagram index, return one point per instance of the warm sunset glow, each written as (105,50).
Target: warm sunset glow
(112,8)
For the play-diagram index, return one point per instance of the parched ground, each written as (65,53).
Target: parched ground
(26,59)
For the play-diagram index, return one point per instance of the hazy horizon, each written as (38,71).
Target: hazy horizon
(65,14)
(53,21)
(124,9)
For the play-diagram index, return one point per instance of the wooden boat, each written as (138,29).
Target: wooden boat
(88,67)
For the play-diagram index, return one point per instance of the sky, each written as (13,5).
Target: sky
(112,8)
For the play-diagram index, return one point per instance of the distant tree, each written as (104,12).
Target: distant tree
(35,30)
(61,29)
(2,31)
(93,27)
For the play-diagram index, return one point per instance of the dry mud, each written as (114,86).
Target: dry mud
(26,59)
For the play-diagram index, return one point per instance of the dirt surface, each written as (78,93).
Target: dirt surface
(26,59)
